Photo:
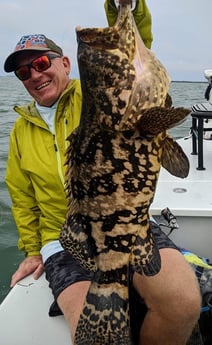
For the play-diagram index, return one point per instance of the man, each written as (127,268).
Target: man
(35,179)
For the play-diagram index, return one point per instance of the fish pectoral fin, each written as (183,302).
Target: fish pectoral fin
(158,119)
(174,160)
(75,241)
(145,257)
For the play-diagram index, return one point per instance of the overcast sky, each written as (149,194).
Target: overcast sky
(182,30)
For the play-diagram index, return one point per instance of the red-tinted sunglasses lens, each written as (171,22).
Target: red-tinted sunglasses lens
(23,72)
(39,64)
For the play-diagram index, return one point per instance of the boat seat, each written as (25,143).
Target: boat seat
(200,112)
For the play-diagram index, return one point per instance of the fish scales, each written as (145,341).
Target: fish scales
(113,163)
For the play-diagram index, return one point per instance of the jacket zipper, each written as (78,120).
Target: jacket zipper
(60,172)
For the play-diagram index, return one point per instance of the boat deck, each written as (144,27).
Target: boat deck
(191,196)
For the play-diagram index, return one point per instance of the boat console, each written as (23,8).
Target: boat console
(200,112)
(208,91)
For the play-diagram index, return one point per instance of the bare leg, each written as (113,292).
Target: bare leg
(71,302)
(173,300)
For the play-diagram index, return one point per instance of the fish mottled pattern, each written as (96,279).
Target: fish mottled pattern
(113,163)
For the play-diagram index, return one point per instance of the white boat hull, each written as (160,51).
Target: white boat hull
(194,234)
(24,316)
(190,200)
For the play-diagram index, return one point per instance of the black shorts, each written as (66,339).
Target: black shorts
(62,270)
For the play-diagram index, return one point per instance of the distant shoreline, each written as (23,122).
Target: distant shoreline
(174,81)
(189,81)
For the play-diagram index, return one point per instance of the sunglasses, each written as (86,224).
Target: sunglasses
(40,64)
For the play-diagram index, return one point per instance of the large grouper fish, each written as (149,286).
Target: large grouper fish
(113,163)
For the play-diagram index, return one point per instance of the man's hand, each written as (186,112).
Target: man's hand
(133,3)
(32,264)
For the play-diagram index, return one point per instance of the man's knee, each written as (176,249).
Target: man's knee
(187,305)
(174,292)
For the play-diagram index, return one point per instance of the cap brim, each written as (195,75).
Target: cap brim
(9,65)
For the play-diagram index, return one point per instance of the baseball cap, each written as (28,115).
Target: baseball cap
(38,42)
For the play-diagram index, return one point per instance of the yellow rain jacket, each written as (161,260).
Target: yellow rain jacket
(35,169)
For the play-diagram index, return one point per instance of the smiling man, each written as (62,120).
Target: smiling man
(39,63)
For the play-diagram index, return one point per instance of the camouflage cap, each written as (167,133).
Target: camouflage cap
(38,42)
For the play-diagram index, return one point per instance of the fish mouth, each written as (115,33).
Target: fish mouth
(115,59)
(98,38)
(108,37)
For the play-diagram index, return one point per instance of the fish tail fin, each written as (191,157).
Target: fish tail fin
(105,316)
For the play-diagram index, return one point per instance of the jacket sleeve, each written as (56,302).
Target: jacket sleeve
(141,15)
(25,210)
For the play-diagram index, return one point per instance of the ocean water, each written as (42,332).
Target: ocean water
(12,92)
